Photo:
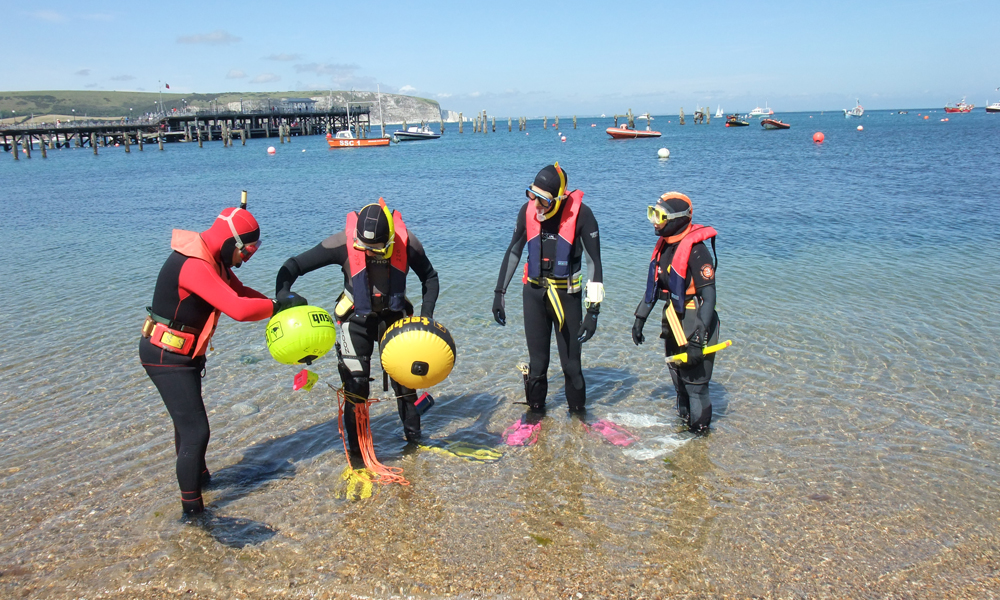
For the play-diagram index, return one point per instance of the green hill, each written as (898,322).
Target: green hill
(117,104)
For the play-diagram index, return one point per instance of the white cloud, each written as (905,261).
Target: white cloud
(444,95)
(122,78)
(265,78)
(475,95)
(215,38)
(407,89)
(83,72)
(48,15)
(235,74)
(283,57)
(337,70)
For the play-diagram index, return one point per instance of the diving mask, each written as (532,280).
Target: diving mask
(379,250)
(658,215)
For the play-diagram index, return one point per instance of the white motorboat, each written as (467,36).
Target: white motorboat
(414,133)
(761,112)
(857,111)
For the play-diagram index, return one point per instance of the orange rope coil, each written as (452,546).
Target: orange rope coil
(385,475)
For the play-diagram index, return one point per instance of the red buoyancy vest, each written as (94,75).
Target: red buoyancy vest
(564,243)
(190,244)
(677,275)
(398,267)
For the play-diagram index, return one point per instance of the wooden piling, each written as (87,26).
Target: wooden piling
(510,125)
(442,125)
(138,138)
(494,124)
(41,145)
(14,147)
(243,137)
(555,124)
(159,139)
(127,149)
(93,141)
(79,141)
(681,116)
(461,121)
(574,121)
(545,122)
(26,143)
(197,131)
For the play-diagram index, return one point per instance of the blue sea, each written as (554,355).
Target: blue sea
(855,444)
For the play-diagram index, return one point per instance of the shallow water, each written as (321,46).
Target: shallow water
(855,442)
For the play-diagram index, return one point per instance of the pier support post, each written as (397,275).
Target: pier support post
(125,138)
(138,138)
(442,125)
(41,145)
(93,141)
(494,124)
(197,131)
(13,147)
(159,139)
(510,124)
(79,140)
(281,133)
(26,143)
(574,121)
(461,121)
(243,137)
(545,122)
(680,117)
(555,123)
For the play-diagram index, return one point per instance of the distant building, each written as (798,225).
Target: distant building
(297,104)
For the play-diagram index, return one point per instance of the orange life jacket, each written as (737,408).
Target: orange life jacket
(190,244)
(678,287)
(564,242)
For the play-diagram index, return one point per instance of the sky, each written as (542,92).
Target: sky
(521,58)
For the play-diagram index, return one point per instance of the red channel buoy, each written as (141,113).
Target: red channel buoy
(818,137)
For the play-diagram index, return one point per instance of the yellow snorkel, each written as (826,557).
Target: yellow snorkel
(392,228)
(557,201)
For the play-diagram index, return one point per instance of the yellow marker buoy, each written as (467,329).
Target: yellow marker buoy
(417,352)
(300,335)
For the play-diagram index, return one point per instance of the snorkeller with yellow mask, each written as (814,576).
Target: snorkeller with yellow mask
(559,231)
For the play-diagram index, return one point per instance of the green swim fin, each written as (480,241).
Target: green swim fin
(463,450)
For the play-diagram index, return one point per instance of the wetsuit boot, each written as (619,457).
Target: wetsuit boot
(408,413)
(701,408)
(683,400)
(535,389)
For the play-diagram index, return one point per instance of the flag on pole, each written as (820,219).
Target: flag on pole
(167,85)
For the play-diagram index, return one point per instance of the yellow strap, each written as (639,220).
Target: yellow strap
(683,356)
(675,324)
(551,286)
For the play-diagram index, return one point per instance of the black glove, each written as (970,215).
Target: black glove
(589,324)
(287,299)
(695,347)
(498,312)
(637,337)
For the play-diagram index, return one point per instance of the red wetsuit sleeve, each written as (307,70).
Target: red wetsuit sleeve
(242,290)
(198,277)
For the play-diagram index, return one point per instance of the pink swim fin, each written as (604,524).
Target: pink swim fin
(521,433)
(614,433)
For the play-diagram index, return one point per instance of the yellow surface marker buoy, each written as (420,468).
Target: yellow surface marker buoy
(300,335)
(417,352)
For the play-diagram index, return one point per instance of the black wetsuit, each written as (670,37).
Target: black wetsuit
(539,318)
(358,334)
(691,382)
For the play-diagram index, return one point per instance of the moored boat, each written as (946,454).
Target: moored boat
(346,139)
(993,108)
(773,124)
(626,133)
(414,133)
(959,107)
(718,112)
(761,112)
(735,121)
(857,111)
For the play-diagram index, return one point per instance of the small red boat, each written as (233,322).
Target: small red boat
(346,139)
(624,133)
(960,107)
(773,124)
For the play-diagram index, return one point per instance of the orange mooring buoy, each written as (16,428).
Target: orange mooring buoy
(818,137)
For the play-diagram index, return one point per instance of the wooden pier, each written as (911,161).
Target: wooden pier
(187,127)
